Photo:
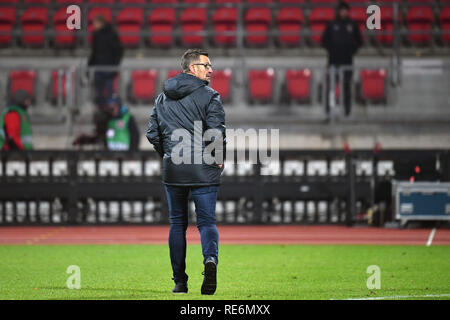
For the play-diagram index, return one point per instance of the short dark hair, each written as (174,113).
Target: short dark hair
(343,5)
(191,55)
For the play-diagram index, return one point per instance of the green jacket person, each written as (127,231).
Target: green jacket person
(15,128)
(119,131)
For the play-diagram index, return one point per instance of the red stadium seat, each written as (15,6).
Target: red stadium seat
(22,79)
(221,82)
(290,20)
(373,84)
(385,36)
(318,19)
(101,1)
(419,20)
(195,1)
(224,20)
(162,20)
(260,1)
(70,1)
(129,21)
(10,1)
(291,1)
(261,85)
(228,1)
(173,73)
(298,84)
(164,1)
(193,21)
(143,85)
(7,22)
(38,1)
(133,1)
(64,37)
(257,21)
(34,21)
(444,20)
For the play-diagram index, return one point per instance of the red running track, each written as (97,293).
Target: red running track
(228,235)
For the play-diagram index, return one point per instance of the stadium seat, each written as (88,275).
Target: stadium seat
(129,23)
(70,1)
(257,20)
(290,20)
(10,1)
(24,80)
(419,20)
(261,85)
(192,20)
(34,21)
(221,82)
(373,85)
(291,1)
(318,19)
(298,84)
(385,36)
(101,1)
(163,1)
(162,20)
(444,20)
(143,85)
(64,37)
(195,1)
(173,73)
(133,1)
(38,1)
(224,20)
(7,22)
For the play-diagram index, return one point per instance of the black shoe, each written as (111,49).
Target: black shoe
(209,280)
(180,288)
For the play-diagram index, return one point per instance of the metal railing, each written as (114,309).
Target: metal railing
(302,187)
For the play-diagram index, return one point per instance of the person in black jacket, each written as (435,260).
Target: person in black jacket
(188,105)
(106,51)
(342,39)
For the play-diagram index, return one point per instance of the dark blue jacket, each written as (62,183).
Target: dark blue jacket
(186,99)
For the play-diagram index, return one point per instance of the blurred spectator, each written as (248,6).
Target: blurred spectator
(342,39)
(116,128)
(15,127)
(106,51)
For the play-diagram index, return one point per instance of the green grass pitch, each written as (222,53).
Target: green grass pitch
(288,272)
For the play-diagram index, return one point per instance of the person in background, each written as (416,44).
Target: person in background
(116,128)
(341,39)
(106,51)
(15,127)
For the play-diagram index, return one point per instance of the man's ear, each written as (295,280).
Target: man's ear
(192,68)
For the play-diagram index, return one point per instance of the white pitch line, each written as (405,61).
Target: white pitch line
(404,297)
(430,238)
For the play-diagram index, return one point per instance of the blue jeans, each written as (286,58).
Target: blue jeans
(103,82)
(205,207)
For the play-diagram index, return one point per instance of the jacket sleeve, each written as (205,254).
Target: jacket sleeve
(357,37)
(215,119)
(117,48)
(12,130)
(325,40)
(153,134)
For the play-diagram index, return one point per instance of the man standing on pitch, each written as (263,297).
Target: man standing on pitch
(186,104)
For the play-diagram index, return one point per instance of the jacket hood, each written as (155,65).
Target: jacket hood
(182,85)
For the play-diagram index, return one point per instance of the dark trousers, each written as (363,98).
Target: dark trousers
(205,208)
(345,88)
(103,82)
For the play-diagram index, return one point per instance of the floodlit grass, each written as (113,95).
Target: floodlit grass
(289,272)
